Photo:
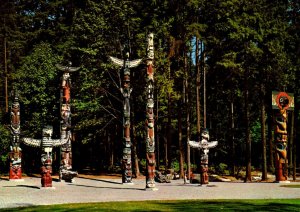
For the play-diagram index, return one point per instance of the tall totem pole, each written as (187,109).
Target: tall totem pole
(283,102)
(15,168)
(46,145)
(204,145)
(150,141)
(126,91)
(65,171)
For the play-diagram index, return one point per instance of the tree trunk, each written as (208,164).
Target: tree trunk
(271,139)
(157,138)
(247,127)
(6,76)
(294,142)
(169,134)
(291,145)
(204,85)
(198,99)
(263,133)
(232,141)
(134,152)
(187,107)
(181,154)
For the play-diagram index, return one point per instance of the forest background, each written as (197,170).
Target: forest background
(216,65)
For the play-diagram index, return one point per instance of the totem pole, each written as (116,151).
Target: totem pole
(283,102)
(150,142)
(126,91)
(15,168)
(204,145)
(46,144)
(65,171)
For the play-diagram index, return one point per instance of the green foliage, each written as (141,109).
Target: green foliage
(37,80)
(5,139)
(222,169)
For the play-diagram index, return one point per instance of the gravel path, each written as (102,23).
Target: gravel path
(29,192)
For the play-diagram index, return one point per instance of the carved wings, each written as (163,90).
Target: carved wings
(204,145)
(134,63)
(67,68)
(130,64)
(44,142)
(32,142)
(59,142)
(116,61)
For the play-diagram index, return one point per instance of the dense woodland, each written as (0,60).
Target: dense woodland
(216,65)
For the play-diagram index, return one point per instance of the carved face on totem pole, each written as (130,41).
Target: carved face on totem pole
(15,115)
(150,47)
(204,135)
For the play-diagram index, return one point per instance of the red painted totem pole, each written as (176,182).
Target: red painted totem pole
(126,91)
(204,145)
(46,144)
(283,102)
(150,141)
(15,167)
(65,172)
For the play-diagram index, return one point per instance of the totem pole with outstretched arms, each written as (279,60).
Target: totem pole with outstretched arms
(65,172)
(46,145)
(15,155)
(150,141)
(282,102)
(204,145)
(126,91)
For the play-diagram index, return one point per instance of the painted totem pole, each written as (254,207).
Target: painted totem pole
(204,145)
(126,91)
(65,172)
(150,142)
(46,144)
(15,155)
(283,102)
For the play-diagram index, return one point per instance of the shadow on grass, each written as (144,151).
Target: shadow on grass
(4,179)
(117,188)
(25,186)
(29,186)
(105,181)
(182,205)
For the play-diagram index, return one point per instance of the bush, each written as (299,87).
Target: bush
(222,169)
(4,148)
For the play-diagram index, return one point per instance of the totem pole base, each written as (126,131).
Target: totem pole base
(47,188)
(129,183)
(16,180)
(151,189)
(283,182)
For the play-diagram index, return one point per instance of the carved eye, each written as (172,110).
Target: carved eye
(283,100)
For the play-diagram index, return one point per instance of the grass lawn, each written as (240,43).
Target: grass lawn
(181,205)
(290,186)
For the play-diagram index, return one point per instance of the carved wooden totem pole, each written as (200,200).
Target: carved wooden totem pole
(126,91)
(204,145)
(65,172)
(15,155)
(283,102)
(46,145)
(150,142)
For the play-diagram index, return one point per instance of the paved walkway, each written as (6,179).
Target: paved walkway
(29,192)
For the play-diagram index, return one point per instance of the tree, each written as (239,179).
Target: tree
(37,80)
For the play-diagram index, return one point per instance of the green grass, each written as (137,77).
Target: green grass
(181,205)
(290,186)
